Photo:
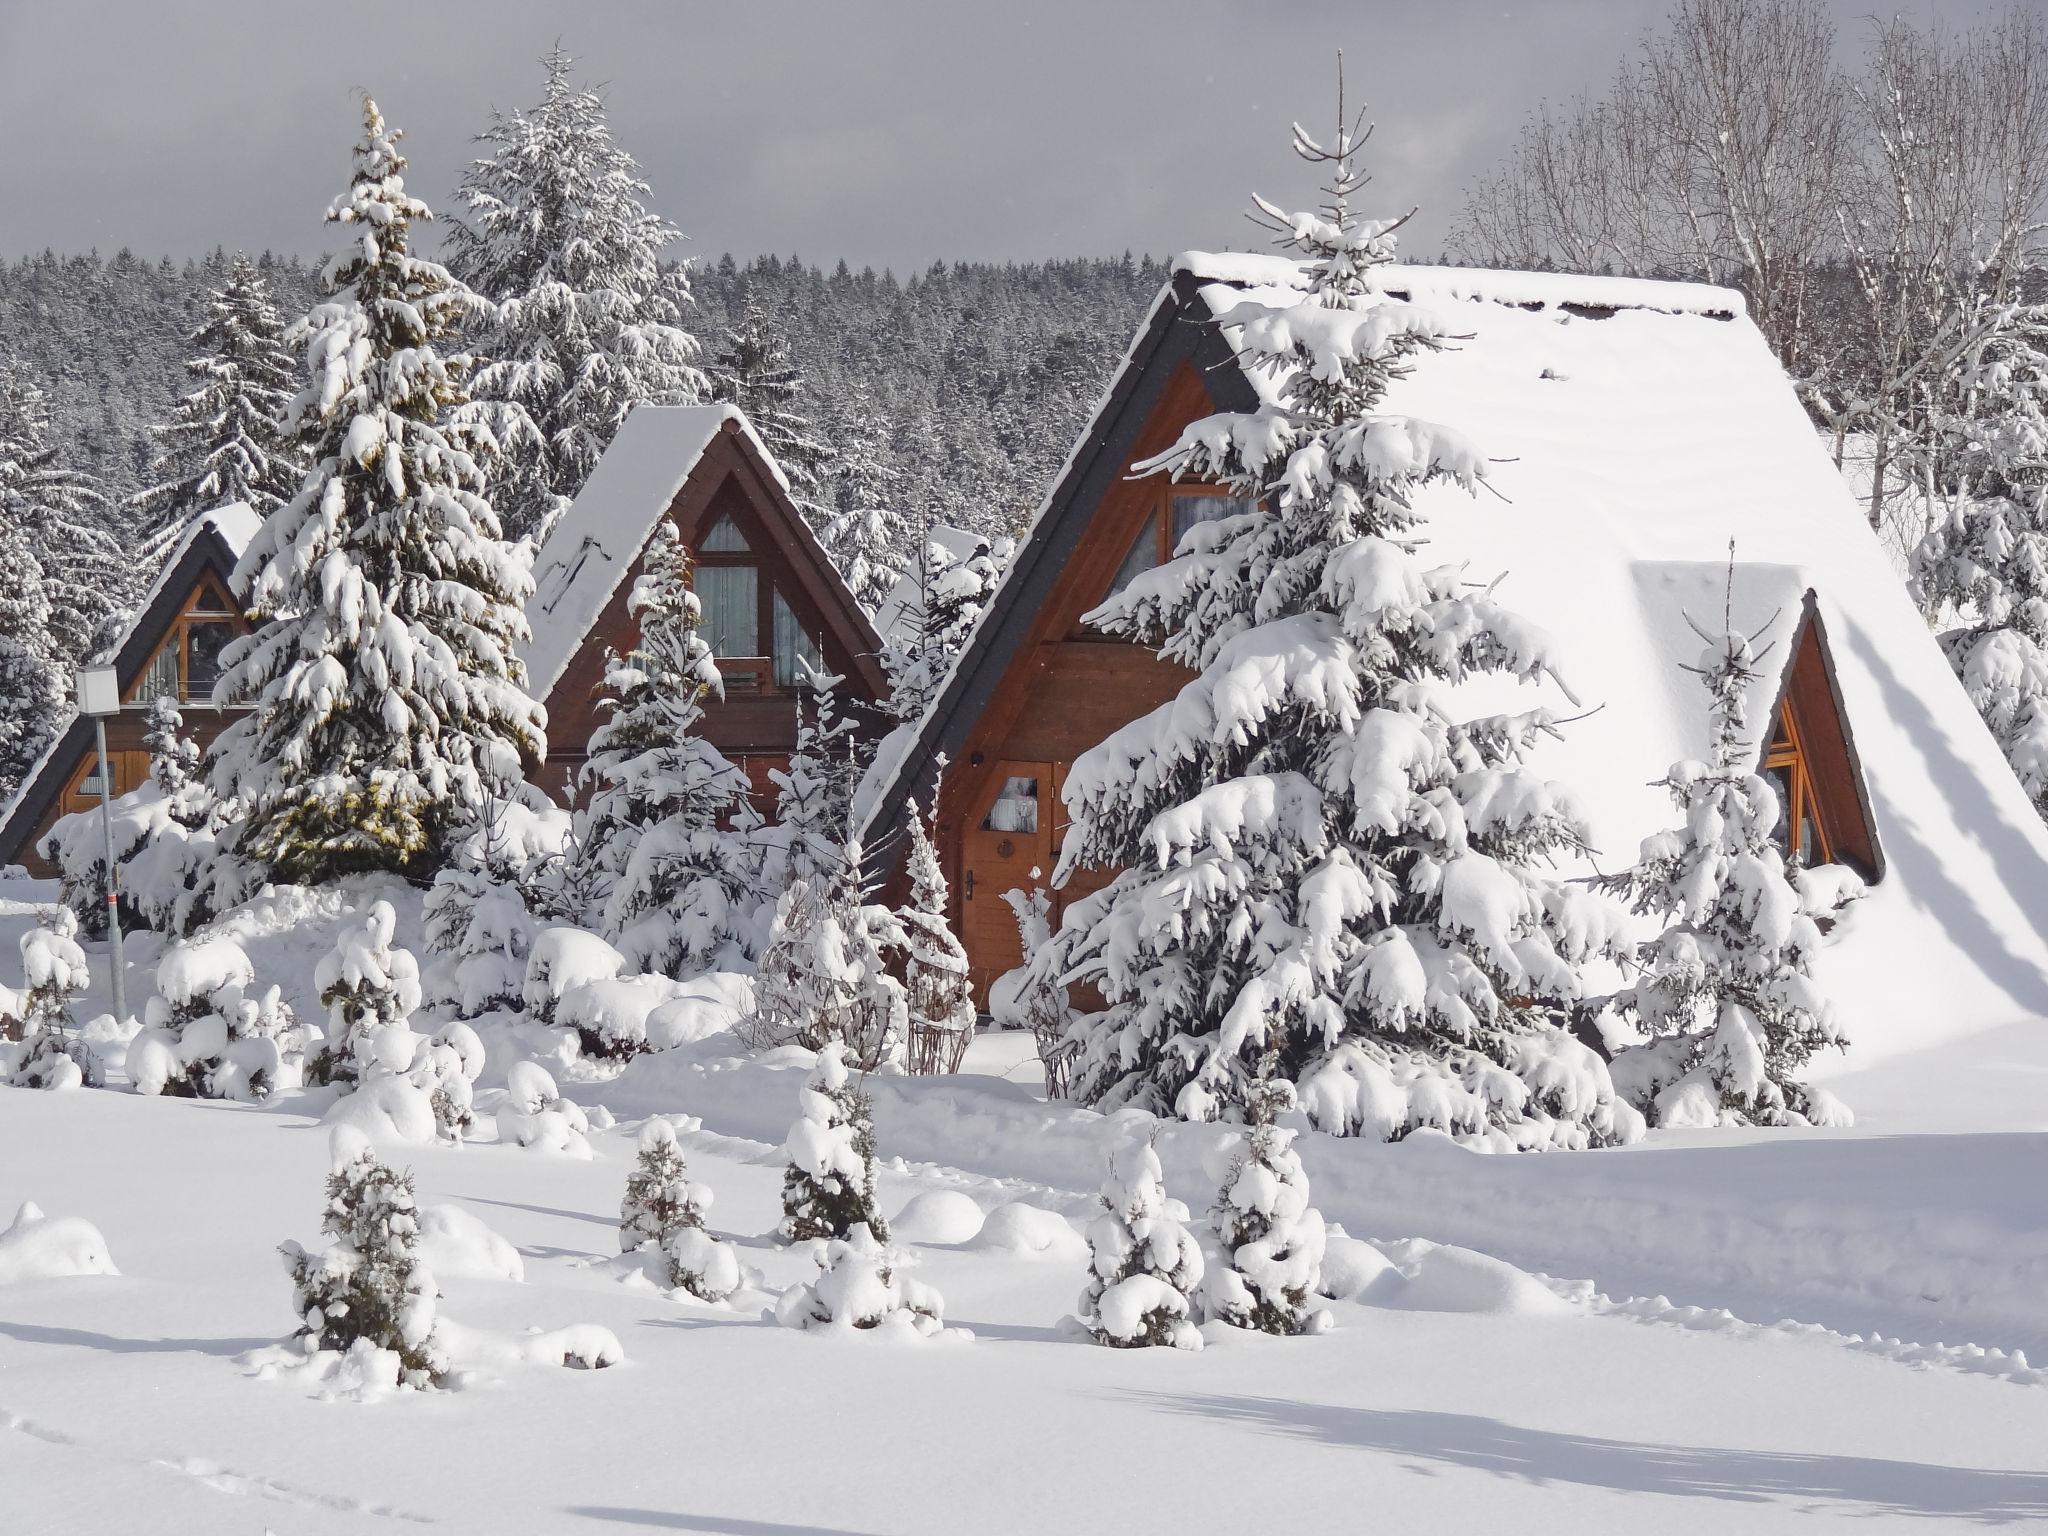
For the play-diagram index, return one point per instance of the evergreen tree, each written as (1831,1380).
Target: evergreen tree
(753,371)
(663,1209)
(369,1285)
(589,320)
(32,686)
(860,1285)
(952,591)
(1727,991)
(1336,861)
(389,701)
(1270,1237)
(62,514)
(1984,560)
(824,978)
(480,914)
(828,1188)
(1144,1265)
(367,985)
(866,533)
(225,440)
(940,995)
(668,822)
(53,975)
(814,794)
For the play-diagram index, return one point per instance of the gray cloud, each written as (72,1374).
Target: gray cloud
(889,134)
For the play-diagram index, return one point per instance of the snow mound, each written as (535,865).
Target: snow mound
(703,1006)
(1437,1277)
(386,1109)
(1031,1230)
(1352,1266)
(454,1242)
(38,1247)
(937,1216)
(584,1346)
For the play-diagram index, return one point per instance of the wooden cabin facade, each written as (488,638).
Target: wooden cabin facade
(172,647)
(1037,687)
(773,601)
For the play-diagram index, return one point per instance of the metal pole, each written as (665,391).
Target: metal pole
(99,725)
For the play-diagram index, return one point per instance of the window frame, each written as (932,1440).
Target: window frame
(207,604)
(1786,753)
(769,586)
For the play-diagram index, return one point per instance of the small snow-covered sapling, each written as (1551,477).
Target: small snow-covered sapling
(860,1286)
(53,973)
(1271,1238)
(1145,1267)
(665,1210)
(828,1188)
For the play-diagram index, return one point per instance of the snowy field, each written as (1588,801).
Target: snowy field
(1458,1392)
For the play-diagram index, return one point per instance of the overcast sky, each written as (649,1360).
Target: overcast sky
(889,133)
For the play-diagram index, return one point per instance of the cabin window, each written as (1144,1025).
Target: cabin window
(1202,506)
(731,597)
(1144,555)
(130,769)
(1799,834)
(1180,508)
(725,538)
(796,653)
(1015,808)
(188,661)
(1823,809)
(759,639)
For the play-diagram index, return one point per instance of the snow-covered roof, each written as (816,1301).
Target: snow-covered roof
(236,523)
(1633,430)
(596,541)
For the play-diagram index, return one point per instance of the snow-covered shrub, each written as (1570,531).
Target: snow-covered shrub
(366,984)
(534,1114)
(1270,1237)
(614,1017)
(940,996)
(1144,1266)
(53,971)
(209,1032)
(39,1247)
(828,1188)
(368,1287)
(1318,844)
(1727,991)
(860,1286)
(665,1210)
(563,958)
(479,915)
(824,976)
(1032,996)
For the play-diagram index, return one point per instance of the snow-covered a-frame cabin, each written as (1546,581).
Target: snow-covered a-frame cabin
(773,601)
(1634,429)
(172,646)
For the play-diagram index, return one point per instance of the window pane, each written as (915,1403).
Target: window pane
(1016,808)
(732,610)
(203,645)
(724,538)
(1780,775)
(1192,507)
(792,645)
(1143,556)
(161,678)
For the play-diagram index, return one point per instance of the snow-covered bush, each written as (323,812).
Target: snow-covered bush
(1318,845)
(824,976)
(368,1287)
(828,1188)
(561,960)
(54,973)
(1727,991)
(1144,1265)
(1033,996)
(860,1286)
(209,1032)
(480,914)
(534,1114)
(663,1209)
(1270,1237)
(940,995)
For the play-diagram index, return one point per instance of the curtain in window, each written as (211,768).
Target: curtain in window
(732,613)
(1192,507)
(791,646)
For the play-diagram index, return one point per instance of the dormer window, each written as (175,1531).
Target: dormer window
(744,605)
(1178,510)
(1823,811)
(188,661)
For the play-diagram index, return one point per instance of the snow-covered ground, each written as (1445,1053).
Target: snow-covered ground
(1457,1394)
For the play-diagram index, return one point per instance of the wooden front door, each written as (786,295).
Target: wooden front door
(1007,846)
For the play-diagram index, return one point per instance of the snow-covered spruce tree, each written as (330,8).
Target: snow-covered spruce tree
(1033,996)
(664,1209)
(88,580)
(209,1033)
(860,1286)
(589,322)
(367,985)
(1318,853)
(1145,1267)
(940,996)
(1727,991)
(480,915)
(32,692)
(1984,560)
(824,976)
(53,974)
(866,532)
(952,591)
(1270,1237)
(368,1288)
(666,828)
(828,1187)
(388,700)
(225,441)
(814,794)
(753,371)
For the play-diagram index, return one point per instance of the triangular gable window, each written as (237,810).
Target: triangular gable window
(725,538)
(1824,811)
(1144,554)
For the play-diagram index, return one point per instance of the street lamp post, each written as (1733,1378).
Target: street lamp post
(99,695)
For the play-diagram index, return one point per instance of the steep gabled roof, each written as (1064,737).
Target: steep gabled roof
(1633,429)
(211,544)
(661,457)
